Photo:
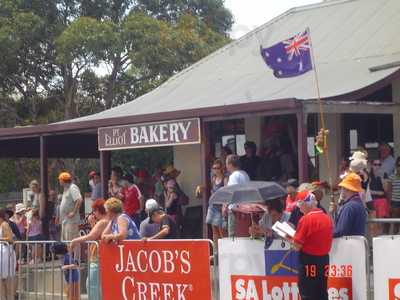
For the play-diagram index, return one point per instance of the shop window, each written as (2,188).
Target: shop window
(367,131)
(227,133)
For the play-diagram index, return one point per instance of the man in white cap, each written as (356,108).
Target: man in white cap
(148,229)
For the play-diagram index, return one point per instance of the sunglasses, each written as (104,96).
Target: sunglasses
(377,165)
(216,168)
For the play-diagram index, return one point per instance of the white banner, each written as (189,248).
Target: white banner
(248,272)
(386,267)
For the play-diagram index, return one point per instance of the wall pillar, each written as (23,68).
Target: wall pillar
(44,182)
(105,166)
(302,146)
(253,129)
(333,122)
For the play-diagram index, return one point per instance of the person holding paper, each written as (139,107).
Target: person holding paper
(313,239)
(273,214)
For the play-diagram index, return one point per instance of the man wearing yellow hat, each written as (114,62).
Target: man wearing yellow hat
(69,207)
(351,216)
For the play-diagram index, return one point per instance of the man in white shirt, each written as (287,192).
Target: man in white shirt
(69,208)
(237,176)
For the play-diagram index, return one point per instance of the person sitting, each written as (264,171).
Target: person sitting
(146,229)
(121,226)
(168,227)
(351,216)
(273,214)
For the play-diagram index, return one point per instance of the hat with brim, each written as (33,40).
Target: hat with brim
(152,212)
(20,208)
(351,182)
(171,170)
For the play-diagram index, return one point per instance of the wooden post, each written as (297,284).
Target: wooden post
(302,146)
(205,172)
(44,181)
(105,162)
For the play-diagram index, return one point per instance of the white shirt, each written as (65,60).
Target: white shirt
(238,177)
(388,166)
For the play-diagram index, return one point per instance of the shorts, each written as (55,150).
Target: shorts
(69,232)
(381,207)
(214,216)
(395,204)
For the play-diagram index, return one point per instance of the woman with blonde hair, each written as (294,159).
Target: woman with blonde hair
(121,226)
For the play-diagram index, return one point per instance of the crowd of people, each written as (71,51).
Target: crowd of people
(138,207)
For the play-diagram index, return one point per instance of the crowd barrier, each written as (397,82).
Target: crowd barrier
(40,274)
(181,269)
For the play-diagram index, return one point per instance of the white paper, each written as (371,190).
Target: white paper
(283,229)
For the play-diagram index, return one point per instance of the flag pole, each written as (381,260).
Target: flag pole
(321,112)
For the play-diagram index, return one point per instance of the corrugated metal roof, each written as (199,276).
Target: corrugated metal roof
(349,37)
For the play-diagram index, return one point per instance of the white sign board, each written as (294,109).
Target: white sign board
(248,271)
(386,267)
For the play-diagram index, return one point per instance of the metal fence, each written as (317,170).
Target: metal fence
(34,270)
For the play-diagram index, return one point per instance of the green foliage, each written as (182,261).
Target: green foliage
(62,59)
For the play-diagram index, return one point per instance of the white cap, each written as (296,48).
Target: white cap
(19,208)
(151,204)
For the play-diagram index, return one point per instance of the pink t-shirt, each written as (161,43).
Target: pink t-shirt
(35,228)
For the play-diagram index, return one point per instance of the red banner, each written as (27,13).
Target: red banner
(156,270)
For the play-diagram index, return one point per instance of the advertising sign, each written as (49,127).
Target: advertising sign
(386,267)
(168,133)
(248,271)
(156,270)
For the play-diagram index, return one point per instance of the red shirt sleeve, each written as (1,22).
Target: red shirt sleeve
(302,231)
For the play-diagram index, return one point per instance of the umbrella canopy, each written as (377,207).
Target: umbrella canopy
(252,192)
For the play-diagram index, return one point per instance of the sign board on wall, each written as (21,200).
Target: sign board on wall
(386,267)
(248,271)
(157,134)
(156,270)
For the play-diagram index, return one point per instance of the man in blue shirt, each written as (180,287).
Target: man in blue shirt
(351,216)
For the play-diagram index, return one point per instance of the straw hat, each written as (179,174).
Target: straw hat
(171,170)
(20,208)
(351,182)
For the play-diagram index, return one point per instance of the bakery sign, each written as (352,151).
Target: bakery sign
(157,134)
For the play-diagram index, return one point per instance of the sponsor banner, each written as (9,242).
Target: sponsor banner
(168,133)
(251,272)
(156,270)
(386,267)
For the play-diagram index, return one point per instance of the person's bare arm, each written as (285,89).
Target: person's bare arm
(161,234)
(7,233)
(106,231)
(170,200)
(93,235)
(122,231)
(76,208)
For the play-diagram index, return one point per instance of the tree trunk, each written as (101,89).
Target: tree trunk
(109,95)
(70,91)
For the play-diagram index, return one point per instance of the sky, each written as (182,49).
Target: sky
(249,14)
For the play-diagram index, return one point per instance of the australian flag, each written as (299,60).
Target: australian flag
(289,58)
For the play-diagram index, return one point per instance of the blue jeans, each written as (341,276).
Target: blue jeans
(93,286)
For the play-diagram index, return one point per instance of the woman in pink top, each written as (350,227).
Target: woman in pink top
(34,233)
(291,188)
